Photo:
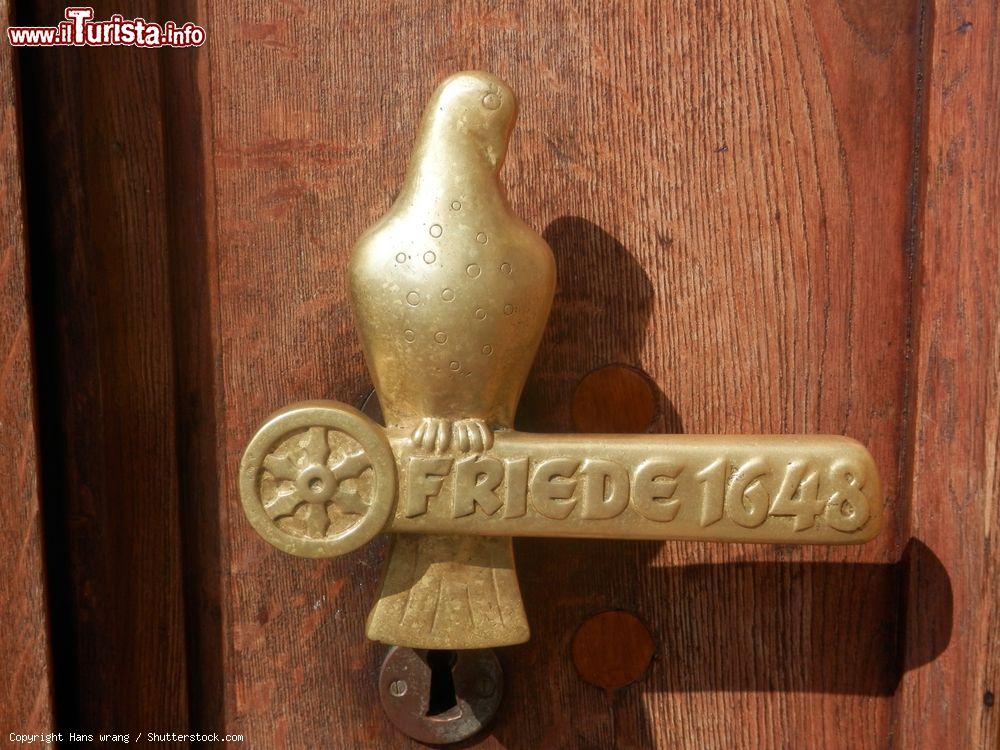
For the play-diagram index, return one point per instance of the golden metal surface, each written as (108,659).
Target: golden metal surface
(451,292)
(318,479)
(727,488)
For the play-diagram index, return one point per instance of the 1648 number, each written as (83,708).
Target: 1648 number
(740,493)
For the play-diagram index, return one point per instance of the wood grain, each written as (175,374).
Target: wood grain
(782,213)
(190,224)
(730,212)
(955,477)
(101,296)
(24,642)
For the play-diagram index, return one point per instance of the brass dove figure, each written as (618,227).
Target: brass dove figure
(451,293)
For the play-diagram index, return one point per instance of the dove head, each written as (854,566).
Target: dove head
(468,119)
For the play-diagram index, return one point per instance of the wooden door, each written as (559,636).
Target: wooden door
(781,214)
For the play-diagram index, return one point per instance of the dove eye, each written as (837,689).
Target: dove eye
(492,100)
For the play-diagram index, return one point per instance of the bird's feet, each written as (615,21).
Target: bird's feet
(472,435)
(467,435)
(432,435)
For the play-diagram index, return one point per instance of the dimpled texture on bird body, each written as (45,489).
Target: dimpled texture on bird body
(451,289)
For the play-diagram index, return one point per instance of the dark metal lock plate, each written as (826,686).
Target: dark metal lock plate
(439,697)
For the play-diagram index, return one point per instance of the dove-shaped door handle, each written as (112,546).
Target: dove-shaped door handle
(451,292)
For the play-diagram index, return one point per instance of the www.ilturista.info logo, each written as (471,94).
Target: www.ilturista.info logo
(81,30)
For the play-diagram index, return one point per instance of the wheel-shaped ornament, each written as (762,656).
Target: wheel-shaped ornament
(318,479)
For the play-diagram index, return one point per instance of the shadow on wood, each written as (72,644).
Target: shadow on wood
(755,627)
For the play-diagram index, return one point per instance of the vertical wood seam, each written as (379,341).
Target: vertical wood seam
(191,224)
(911,249)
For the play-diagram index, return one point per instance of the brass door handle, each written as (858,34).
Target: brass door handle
(451,293)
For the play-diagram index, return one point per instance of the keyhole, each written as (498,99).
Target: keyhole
(442,693)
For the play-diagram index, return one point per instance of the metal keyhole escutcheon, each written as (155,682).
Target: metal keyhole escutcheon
(439,697)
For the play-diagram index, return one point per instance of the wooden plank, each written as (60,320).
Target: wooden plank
(955,478)
(25,670)
(190,225)
(727,194)
(101,277)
